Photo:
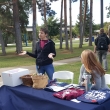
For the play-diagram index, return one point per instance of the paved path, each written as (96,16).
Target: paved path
(32,68)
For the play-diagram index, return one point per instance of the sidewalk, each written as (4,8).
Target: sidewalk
(32,68)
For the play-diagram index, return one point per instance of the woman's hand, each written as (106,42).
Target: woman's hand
(22,53)
(51,55)
(84,83)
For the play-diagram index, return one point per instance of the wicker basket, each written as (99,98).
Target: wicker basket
(27,80)
(39,81)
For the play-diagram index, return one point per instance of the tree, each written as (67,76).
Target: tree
(90,29)
(109,31)
(87,21)
(84,17)
(108,8)
(25,7)
(17,27)
(5,21)
(108,16)
(71,46)
(8,20)
(2,43)
(45,9)
(61,15)
(107,28)
(65,23)
(53,26)
(81,25)
(34,26)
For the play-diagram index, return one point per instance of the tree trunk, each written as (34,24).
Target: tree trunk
(90,29)
(84,21)
(81,29)
(109,31)
(71,46)
(5,39)
(61,24)
(2,44)
(17,27)
(45,20)
(65,19)
(101,12)
(34,27)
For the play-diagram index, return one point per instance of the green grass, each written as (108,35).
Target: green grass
(14,60)
(75,68)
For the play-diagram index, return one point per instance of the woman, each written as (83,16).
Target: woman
(44,53)
(92,66)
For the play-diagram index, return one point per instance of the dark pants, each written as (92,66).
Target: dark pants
(102,57)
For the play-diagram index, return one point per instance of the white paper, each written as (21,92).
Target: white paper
(70,85)
(56,88)
(75,100)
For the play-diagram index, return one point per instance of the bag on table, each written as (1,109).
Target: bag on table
(39,81)
(69,93)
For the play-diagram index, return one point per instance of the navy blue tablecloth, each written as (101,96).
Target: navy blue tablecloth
(27,98)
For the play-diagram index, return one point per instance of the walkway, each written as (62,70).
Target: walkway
(32,68)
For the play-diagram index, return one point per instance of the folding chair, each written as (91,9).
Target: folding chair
(64,75)
(107,79)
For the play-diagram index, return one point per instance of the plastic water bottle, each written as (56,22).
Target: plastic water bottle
(88,83)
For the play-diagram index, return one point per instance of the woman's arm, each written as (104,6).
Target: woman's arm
(82,71)
(30,54)
(97,82)
(34,55)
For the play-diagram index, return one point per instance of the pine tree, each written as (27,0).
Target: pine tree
(87,25)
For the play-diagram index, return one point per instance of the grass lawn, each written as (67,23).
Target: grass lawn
(13,60)
(75,68)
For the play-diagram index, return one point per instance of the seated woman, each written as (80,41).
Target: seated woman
(90,65)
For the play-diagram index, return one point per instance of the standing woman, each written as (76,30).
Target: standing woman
(44,53)
(92,66)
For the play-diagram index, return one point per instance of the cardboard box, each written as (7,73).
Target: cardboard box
(12,77)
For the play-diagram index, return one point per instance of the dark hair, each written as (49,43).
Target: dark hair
(44,29)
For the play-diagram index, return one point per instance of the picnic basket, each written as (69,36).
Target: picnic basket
(27,80)
(39,81)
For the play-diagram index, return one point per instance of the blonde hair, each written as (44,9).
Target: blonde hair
(91,63)
(101,30)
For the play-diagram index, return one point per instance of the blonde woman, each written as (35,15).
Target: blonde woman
(92,66)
